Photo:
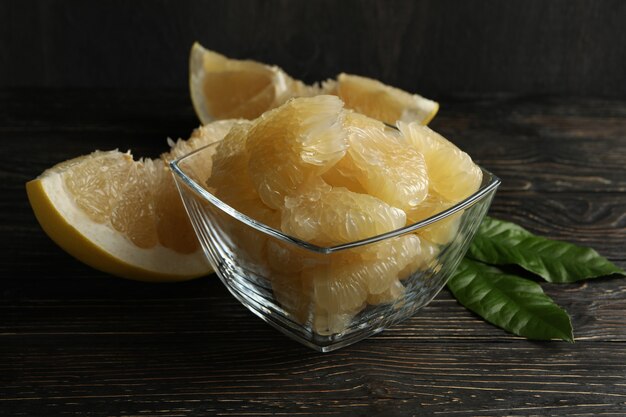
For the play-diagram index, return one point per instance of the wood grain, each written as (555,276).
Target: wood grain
(438,48)
(74,341)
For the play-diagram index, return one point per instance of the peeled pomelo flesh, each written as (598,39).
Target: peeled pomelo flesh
(133,197)
(442,231)
(329,176)
(352,279)
(230,180)
(379,162)
(202,136)
(288,258)
(328,216)
(294,143)
(395,291)
(387,168)
(223,87)
(452,173)
(383,102)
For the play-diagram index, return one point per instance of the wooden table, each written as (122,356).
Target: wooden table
(74,341)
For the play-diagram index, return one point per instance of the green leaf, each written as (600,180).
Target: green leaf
(515,304)
(502,243)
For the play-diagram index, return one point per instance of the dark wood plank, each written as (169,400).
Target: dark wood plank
(136,374)
(128,346)
(435,47)
(74,341)
(35,308)
(547,145)
(589,219)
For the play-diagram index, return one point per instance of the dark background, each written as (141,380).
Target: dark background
(438,48)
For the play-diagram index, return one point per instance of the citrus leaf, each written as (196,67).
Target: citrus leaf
(503,243)
(515,304)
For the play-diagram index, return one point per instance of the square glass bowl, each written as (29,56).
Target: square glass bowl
(327,297)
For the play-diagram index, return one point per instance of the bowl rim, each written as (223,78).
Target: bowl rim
(490,182)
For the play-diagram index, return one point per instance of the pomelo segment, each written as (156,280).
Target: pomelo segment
(328,216)
(330,176)
(223,87)
(453,175)
(123,216)
(387,168)
(101,236)
(383,102)
(294,143)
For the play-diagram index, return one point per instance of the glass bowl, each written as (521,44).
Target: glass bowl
(327,297)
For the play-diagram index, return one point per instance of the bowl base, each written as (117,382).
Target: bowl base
(372,320)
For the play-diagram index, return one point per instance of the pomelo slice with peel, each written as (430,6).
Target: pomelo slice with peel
(124,216)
